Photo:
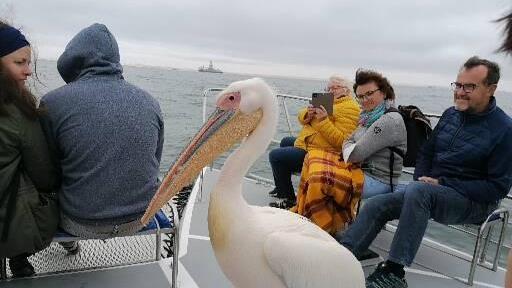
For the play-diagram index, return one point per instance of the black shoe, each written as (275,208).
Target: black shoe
(72,247)
(21,267)
(369,258)
(383,277)
(366,255)
(283,204)
(275,193)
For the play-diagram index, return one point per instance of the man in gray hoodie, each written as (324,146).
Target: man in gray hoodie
(107,136)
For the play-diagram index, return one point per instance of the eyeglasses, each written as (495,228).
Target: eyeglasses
(366,95)
(337,87)
(468,87)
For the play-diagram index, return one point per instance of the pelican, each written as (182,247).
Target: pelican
(255,246)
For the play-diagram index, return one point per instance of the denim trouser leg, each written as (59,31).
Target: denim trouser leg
(373,187)
(374,214)
(286,160)
(423,201)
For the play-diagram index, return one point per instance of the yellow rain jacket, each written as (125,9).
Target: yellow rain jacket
(329,133)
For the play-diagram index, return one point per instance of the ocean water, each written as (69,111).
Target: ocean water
(179,93)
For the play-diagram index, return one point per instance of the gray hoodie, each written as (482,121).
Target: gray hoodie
(369,146)
(106,133)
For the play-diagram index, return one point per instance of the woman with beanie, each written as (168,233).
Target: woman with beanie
(28,211)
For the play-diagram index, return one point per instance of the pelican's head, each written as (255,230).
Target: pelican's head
(239,110)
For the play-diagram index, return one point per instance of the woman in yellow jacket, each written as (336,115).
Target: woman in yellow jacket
(319,131)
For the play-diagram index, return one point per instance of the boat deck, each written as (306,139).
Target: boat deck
(435,265)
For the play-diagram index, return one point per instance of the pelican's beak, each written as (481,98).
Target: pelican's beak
(223,129)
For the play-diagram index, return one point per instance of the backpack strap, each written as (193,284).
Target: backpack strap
(392,109)
(392,151)
(391,165)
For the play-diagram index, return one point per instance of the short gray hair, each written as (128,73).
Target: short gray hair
(493,69)
(339,80)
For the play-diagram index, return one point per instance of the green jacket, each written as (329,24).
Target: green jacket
(34,220)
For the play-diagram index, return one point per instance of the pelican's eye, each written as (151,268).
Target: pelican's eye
(229,101)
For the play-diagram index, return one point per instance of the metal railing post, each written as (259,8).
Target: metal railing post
(158,240)
(287,115)
(486,244)
(475,256)
(175,246)
(501,239)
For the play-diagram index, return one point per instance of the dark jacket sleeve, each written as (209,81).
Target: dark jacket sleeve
(426,153)
(36,158)
(499,175)
(424,158)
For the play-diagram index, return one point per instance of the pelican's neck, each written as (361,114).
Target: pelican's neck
(239,162)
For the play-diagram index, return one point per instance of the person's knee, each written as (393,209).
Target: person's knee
(378,205)
(418,192)
(274,156)
(287,141)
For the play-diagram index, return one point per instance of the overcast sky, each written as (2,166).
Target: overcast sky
(418,42)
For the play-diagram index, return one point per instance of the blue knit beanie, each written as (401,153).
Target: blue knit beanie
(11,40)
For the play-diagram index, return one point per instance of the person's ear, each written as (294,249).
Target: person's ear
(492,88)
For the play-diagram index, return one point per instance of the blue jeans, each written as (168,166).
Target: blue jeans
(413,207)
(285,161)
(373,187)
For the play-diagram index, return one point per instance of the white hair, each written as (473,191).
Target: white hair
(340,80)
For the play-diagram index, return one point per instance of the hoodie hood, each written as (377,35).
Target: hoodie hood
(93,51)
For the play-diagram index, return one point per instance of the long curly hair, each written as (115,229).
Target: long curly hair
(12,93)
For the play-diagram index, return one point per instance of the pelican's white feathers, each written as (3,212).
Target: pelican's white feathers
(262,246)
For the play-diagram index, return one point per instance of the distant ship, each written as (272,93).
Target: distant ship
(209,69)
